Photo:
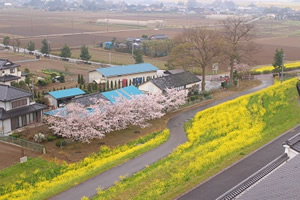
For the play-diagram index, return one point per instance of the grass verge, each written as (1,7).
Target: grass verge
(53,181)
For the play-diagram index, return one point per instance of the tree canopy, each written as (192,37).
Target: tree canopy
(31,46)
(84,53)
(138,56)
(6,40)
(278,62)
(65,52)
(45,47)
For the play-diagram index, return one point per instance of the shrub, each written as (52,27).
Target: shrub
(61,143)
(51,137)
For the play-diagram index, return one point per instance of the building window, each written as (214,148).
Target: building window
(19,103)
(24,120)
(12,71)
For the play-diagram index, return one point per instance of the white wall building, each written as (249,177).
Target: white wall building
(180,81)
(9,72)
(122,76)
(17,109)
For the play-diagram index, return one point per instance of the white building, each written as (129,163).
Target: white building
(9,72)
(122,76)
(180,81)
(17,109)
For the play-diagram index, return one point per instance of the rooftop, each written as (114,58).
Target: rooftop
(6,64)
(283,183)
(294,143)
(175,80)
(66,93)
(9,93)
(88,99)
(8,77)
(20,111)
(127,69)
(123,92)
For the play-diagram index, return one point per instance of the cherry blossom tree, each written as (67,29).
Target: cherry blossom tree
(83,124)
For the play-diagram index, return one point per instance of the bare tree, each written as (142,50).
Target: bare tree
(197,48)
(238,34)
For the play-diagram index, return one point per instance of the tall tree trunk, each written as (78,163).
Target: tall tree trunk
(203,80)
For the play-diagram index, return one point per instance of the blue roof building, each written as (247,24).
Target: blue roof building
(62,97)
(59,94)
(125,75)
(127,69)
(126,92)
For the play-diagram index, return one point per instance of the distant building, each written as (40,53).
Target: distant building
(122,76)
(9,72)
(61,97)
(158,37)
(180,81)
(17,109)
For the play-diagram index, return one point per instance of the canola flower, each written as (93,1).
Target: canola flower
(73,173)
(269,68)
(215,134)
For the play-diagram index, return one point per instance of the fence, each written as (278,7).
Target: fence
(24,143)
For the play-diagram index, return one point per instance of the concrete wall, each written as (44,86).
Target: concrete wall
(52,100)
(149,87)
(5,126)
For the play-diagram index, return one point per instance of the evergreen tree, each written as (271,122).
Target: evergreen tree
(6,40)
(31,46)
(89,88)
(82,79)
(62,78)
(65,52)
(79,79)
(138,56)
(84,53)
(278,60)
(45,47)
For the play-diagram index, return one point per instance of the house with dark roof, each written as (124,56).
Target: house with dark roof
(158,37)
(9,72)
(17,109)
(278,180)
(180,81)
(61,97)
(122,76)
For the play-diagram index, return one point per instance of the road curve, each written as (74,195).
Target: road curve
(177,137)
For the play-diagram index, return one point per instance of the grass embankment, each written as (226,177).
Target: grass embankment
(217,137)
(40,179)
(267,69)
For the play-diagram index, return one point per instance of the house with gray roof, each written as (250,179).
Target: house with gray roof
(180,81)
(17,109)
(9,72)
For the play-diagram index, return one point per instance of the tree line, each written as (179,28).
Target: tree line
(65,51)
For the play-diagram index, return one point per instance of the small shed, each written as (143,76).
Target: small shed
(61,97)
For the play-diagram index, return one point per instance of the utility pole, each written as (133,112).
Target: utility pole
(72,25)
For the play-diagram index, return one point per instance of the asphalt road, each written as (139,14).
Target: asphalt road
(177,137)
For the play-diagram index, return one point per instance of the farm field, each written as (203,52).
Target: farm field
(81,28)
(70,70)
(117,58)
